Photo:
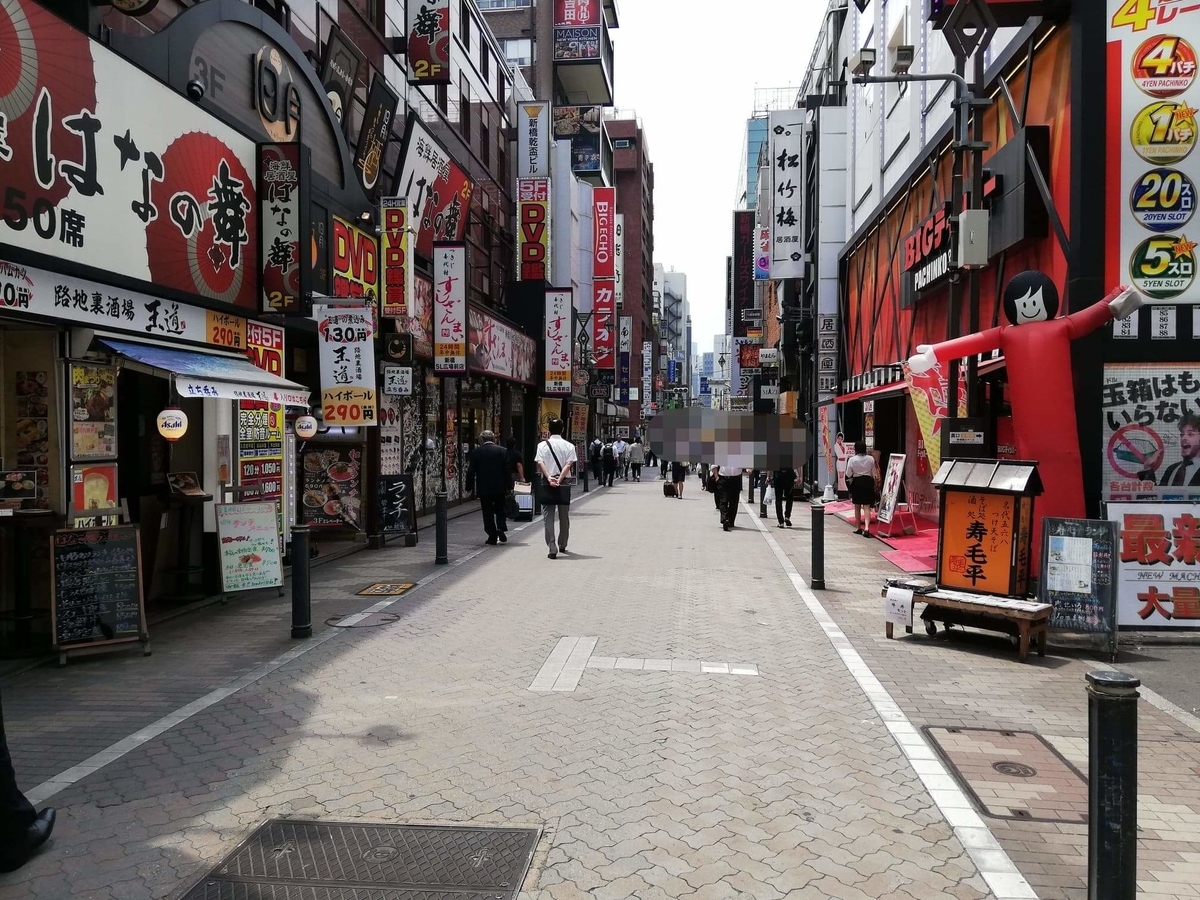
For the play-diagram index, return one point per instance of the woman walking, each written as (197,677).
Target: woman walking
(861,476)
(637,456)
(678,475)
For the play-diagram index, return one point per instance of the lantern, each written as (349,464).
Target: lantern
(172,423)
(306,427)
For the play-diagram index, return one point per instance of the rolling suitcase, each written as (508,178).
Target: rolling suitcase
(668,489)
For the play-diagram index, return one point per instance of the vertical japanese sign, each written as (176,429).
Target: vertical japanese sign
(647,372)
(559,314)
(1158,580)
(604,211)
(762,256)
(1153,171)
(397,258)
(976,543)
(428,42)
(743,268)
(347,355)
(438,191)
(374,134)
(533,140)
(260,425)
(570,13)
(450,309)
(339,70)
(283,189)
(604,331)
(619,261)
(624,352)
(533,234)
(355,262)
(787,193)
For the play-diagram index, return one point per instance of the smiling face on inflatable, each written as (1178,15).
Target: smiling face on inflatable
(1030,297)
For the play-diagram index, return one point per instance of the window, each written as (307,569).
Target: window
(622,144)
(464,109)
(503,4)
(518,51)
(464,13)
(442,96)
(501,90)
(485,61)
(485,137)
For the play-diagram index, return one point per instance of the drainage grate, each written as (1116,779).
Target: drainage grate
(385,589)
(288,859)
(1013,774)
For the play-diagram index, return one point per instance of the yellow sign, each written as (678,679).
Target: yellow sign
(550,409)
(397,257)
(1164,132)
(225,330)
(978,534)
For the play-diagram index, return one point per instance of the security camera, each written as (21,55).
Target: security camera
(195,90)
(862,62)
(902,59)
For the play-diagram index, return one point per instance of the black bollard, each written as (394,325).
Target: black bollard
(818,547)
(584,475)
(762,506)
(1112,785)
(301,583)
(441,524)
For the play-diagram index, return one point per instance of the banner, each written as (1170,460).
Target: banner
(579,420)
(762,258)
(374,134)
(428,42)
(260,424)
(604,211)
(533,233)
(438,190)
(339,70)
(559,346)
(548,409)
(604,332)
(283,185)
(743,269)
(499,349)
(647,372)
(355,262)
(786,132)
(619,260)
(1152,177)
(624,351)
(1158,580)
(450,309)
(397,258)
(929,394)
(533,140)
(347,356)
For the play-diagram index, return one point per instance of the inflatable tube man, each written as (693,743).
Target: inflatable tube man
(1037,353)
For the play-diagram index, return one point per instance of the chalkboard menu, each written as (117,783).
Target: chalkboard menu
(1078,559)
(397,504)
(97,586)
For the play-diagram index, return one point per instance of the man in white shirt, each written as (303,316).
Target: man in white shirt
(621,449)
(556,462)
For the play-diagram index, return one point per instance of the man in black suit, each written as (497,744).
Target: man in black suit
(488,476)
(22,828)
(1186,472)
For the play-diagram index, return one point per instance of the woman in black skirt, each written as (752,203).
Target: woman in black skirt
(678,474)
(861,476)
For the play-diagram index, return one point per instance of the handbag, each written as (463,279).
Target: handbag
(769,496)
(563,480)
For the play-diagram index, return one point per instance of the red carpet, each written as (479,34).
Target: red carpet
(910,563)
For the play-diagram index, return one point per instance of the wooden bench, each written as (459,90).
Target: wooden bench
(1023,619)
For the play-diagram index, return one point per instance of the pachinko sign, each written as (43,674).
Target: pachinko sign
(1158,579)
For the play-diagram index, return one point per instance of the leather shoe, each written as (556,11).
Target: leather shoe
(503,538)
(491,542)
(35,835)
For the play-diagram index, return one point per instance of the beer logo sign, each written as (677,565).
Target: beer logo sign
(1163,267)
(1163,200)
(1164,132)
(1164,66)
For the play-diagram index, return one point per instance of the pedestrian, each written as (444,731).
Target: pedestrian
(594,452)
(556,463)
(621,450)
(609,456)
(704,475)
(678,475)
(731,491)
(516,462)
(663,466)
(714,485)
(489,479)
(22,828)
(636,457)
(784,482)
(651,458)
(862,474)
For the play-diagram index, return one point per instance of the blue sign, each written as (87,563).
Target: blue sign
(704,385)
(671,371)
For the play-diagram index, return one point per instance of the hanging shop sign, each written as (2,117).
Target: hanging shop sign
(418,324)
(1158,579)
(106,167)
(428,42)
(283,172)
(604,211)
(437,189)
(1152,177)
(582,126)
(762,259)
(347,355)
(604,326)
(498,348)
(577,12)
(339,71)
(397,381)
(450,309)
(577,43)
(260,423)
(928,257)
(533,140)
(533,233)
(559,346)
(355,262)
(624,352)
(397,258)
(743,268)
(373,137)
(647,367)
(786,138)
(619,260)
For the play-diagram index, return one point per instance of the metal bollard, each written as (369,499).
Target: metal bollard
(584,473)
(818,547)
(440,525)
(762,505)
(301,583)
(1112,785)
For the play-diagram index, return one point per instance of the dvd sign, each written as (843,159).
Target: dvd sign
(928,256)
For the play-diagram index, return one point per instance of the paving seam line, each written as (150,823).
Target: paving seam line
(998,870)
(65,779)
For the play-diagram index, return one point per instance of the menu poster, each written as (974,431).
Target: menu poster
(94,487)
(32,435)
(93,412)
(332,487)
(186,483)
(97,586)
(15,487)
(397,504)
(248,537)
(391,435)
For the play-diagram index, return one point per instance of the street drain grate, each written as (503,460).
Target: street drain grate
(291,859)
(386,589)
(1013,774)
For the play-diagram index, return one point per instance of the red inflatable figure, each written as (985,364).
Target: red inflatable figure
(1037,354)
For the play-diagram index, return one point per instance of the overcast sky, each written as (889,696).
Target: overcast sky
(689,71)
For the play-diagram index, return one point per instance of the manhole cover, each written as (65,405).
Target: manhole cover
(288,859)
(384,589)
(371,620)
(1013,774)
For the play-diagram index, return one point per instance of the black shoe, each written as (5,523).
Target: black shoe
(780,524)
(552,555)
(787,522)
(491,541)
(727,527)
(12,858)
(858,531)
(503,537)
(562,549)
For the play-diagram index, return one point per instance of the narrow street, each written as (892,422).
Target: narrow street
(668,702)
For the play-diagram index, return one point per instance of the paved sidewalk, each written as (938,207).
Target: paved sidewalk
(688,781)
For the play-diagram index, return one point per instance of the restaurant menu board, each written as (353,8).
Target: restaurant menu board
(1078,559)
(93,412)
(32,434)
(248,536)
(397,504)
(97,586)
(17,486)
(332,487)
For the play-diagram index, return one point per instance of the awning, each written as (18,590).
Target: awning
(879,392)
(212,374)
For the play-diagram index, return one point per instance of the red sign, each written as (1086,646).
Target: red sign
(396,262)
(533,211)
(927,239)
(604,227)
(445,217)
(429,41)
(604,331)
(355,261)
(577,13)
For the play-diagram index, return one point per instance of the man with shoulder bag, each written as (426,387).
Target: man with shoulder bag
(556,461)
